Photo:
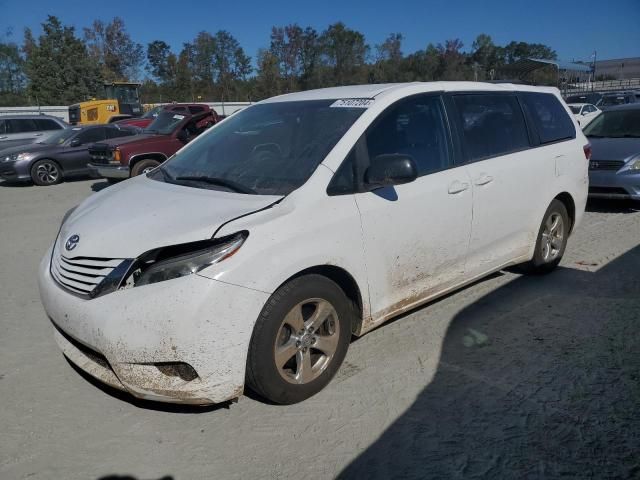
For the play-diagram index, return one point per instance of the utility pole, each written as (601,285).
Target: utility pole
(594,70)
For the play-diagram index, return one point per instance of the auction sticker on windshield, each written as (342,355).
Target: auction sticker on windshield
(352,103)
(178,117)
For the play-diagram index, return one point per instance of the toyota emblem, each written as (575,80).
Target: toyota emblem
(72,242)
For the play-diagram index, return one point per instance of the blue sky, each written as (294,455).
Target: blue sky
(573,28)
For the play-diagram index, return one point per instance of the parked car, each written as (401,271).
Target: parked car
(258,250)
(614,169)
(593,98)
(620,98)
(61,155)
(18,130)
(151,115)
(584,112)
(123,158)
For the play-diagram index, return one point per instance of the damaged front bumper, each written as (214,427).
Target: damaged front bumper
(180,341)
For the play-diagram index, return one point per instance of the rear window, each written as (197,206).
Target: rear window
(196,109)
(47,124)
(120,132)
(575,110)
(492,125)
(549,117)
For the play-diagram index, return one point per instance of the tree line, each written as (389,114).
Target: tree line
(62,66)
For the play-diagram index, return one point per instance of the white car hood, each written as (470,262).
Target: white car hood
(140,214)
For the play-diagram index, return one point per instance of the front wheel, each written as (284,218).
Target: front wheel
(551,241)
(46,172)
(300,340)
(143,167)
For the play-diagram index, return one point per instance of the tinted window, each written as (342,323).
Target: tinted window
(196,109)
(492,125)
(47,124)
(120,132)
(623,123)
(415,127)
(575,110)
(549,117)
(91,135)
(3,126)
(344,181)
(22,125)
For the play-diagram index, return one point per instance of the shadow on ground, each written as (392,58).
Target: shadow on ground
(612,206)
(538,379)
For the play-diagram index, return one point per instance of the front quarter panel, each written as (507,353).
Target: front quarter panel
(304,230)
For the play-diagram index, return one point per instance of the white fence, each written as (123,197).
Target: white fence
(222,108)
(57,111)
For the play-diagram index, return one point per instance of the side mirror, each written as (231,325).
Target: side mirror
(390,169)
(182,135)
(75,142)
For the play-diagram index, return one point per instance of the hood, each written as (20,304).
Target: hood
(614,148)
(28,148)
(140,139)
(140,214)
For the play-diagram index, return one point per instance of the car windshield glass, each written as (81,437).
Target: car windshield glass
(153,113)
(615,123)
(267,149)
(61,136)
(617,100)
(575,110)
(165,123)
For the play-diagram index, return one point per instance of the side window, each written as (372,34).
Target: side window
(92,114)
(414,126)
(91,135)
(47,124)
(196,109)
(492,125)
(3,127)
(549,117)
(119,132)
(22,125)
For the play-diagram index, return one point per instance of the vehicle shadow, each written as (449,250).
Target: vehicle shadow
(538,379)
(601,205)
(100,185)
(130,477)
(148,404)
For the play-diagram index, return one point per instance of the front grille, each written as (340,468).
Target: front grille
(81,274)
(605,165)
(74,115)
(101,154)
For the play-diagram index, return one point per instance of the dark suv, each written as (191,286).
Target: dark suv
(127,157)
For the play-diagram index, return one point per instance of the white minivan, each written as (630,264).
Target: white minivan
(254,254)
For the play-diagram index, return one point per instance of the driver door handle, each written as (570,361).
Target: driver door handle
(483,179)
(457,187)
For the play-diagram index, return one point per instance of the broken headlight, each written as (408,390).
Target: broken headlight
(186,263)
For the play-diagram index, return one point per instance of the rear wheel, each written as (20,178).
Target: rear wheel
(300,339)
(551,241)
(143,167)
(46,172)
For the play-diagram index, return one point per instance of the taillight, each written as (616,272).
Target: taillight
(587,151)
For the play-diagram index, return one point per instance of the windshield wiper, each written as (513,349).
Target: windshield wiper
(230,184)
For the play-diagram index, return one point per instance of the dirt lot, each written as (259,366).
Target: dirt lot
(513,377)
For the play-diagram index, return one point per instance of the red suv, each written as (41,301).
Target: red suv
(127,157)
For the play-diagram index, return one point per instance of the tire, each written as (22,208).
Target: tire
(276,361)
(144,166)
(551,242)
(46,172)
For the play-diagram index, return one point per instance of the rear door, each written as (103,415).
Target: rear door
(415,235)
(506,177)
(20,131)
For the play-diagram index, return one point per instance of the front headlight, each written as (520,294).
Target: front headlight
(189,263)
(15,157)
(635,165)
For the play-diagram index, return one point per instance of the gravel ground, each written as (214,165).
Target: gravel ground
(513,377)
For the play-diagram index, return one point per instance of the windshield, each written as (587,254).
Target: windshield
(60,136)
(165,123)
(153,113)
(615,124)
(267,149)
(613,100)
(575,110)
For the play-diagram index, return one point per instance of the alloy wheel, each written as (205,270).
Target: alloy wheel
(552,237)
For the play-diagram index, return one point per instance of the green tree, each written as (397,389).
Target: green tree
(268,79)
(157,60)
(389,58)
(59,69)
(120,58)
(344,52)
(12,77)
